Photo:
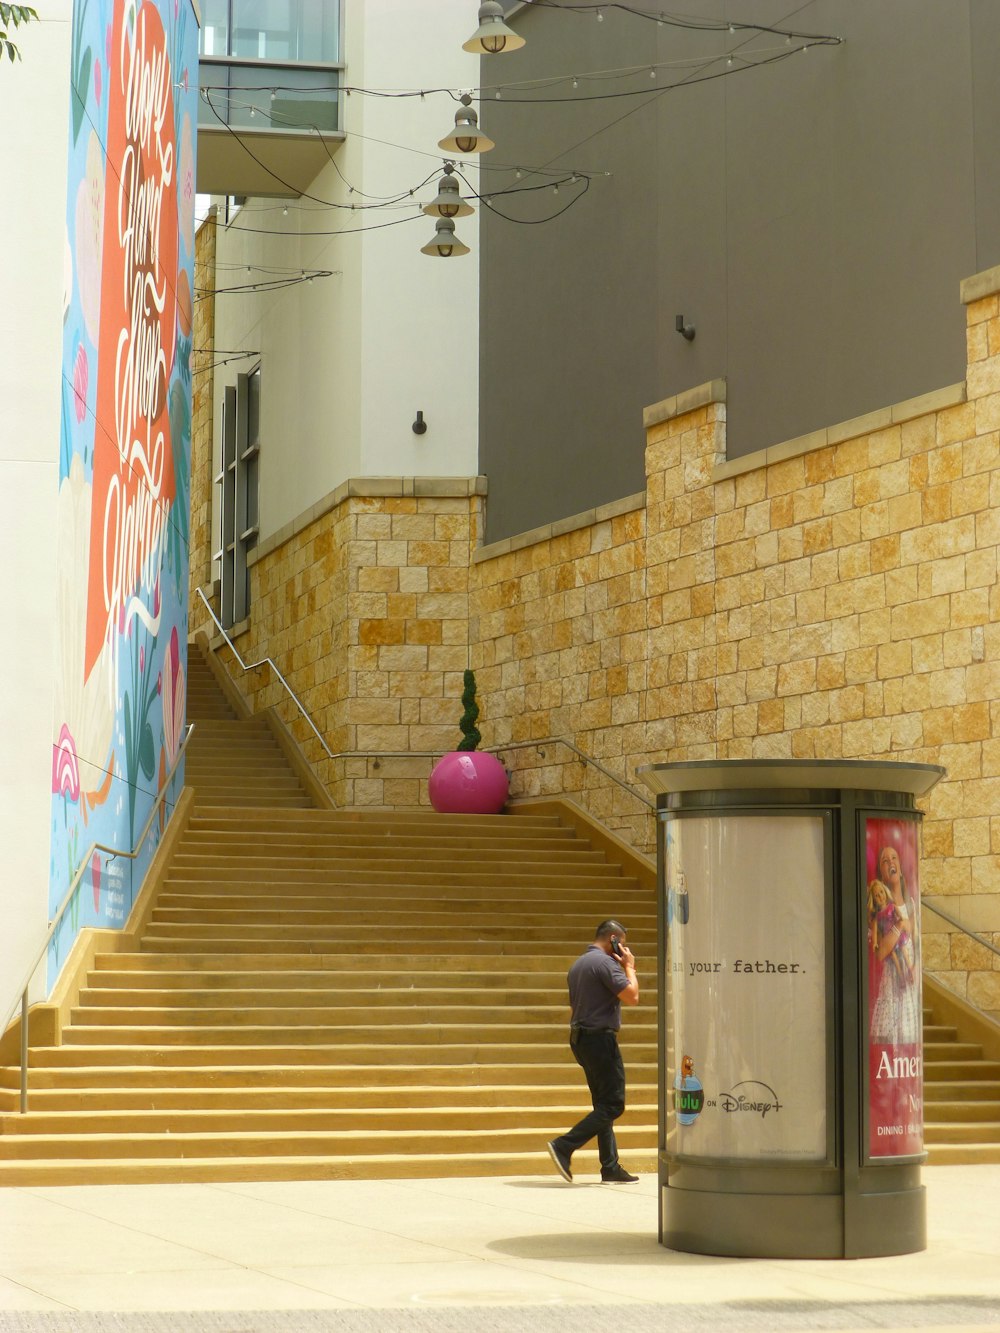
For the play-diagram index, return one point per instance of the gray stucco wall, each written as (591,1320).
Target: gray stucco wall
(813,219)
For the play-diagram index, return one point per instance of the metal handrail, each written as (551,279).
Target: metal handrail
(954,921)
(61,910)
(264,661)
(419,754)
(587,759)
(499,750)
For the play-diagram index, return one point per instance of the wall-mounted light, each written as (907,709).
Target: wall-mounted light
(448,203)
(445,243)
(466,137)
(685,330)
(492,36)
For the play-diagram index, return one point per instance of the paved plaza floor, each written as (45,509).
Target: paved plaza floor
(457,1256)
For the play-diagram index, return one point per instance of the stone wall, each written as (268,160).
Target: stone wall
(833,596)
(364,607)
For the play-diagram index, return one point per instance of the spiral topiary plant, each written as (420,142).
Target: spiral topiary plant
(470,733)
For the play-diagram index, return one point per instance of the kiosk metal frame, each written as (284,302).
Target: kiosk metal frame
(849,1204)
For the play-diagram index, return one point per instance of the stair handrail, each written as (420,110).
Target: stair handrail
(498,750)
(581,754)
(264,661)
(954,921)
(21,996)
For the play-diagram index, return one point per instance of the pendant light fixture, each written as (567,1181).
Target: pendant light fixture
(445,243)
(466,137)
(448,203)
(492,36)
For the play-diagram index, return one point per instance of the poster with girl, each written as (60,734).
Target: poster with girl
(891,902)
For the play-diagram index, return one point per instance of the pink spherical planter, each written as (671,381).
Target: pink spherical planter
(468,782)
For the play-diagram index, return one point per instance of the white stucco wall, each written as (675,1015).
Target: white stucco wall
(349,360)
(34,110)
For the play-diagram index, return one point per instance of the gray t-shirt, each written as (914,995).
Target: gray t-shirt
(595,981)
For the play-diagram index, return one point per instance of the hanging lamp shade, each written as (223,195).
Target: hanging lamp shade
(448,203)
(466,137)
(445,243)
(492,36)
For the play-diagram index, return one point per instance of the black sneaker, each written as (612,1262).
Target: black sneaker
(561,1161)
(617,1175)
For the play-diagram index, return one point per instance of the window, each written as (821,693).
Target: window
(305,31)
(270,65)
(239,483)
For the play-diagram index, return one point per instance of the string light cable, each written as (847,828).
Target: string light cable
(238,226)
(768,56)
(487,199)
(728,71)
(267,285)
(687,22)
(553,177)
(303,194)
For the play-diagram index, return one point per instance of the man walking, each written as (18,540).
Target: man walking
(600,982)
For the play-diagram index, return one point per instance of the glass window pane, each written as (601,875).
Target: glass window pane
(253,408)
(282,99)
(214,36)
(306,30)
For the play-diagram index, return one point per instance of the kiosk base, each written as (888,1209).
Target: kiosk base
(794,1226)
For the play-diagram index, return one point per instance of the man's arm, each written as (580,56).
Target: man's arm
(630,995)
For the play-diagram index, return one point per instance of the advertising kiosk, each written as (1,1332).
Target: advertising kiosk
(791,1049)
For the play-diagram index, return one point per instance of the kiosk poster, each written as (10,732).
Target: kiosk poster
(746,976)
(895,1063)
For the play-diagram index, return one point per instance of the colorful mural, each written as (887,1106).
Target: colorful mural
(123,510)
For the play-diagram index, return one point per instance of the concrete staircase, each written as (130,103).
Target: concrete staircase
(234,761)
(329,995)
(334,994)
(961,1091)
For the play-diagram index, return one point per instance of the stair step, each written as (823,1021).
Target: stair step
(966,1091)
(282,1074)
(376,1166)
(549,1034)
(951,1050)
(399,1017)
(241,1143)
(360,1056)
(379,909)
(355,1098)
(517,846)
(250,961)
(962,1131)
(324,948)
(397,998)
(958,1069)
(435,1119)
(334,928)
(963,1154)
(390,981)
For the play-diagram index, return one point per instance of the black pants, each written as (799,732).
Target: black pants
(600,1059)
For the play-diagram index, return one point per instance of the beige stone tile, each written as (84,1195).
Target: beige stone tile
(228,1288)
(458,1283)
(21,1296)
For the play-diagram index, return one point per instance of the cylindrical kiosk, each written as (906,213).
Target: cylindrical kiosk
(790,1032)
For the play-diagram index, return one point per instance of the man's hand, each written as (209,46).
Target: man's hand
(630,995)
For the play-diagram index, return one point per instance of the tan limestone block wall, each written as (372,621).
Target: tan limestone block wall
(559,649)
(834,597)
(364,609)
(203,392)
(842,603)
